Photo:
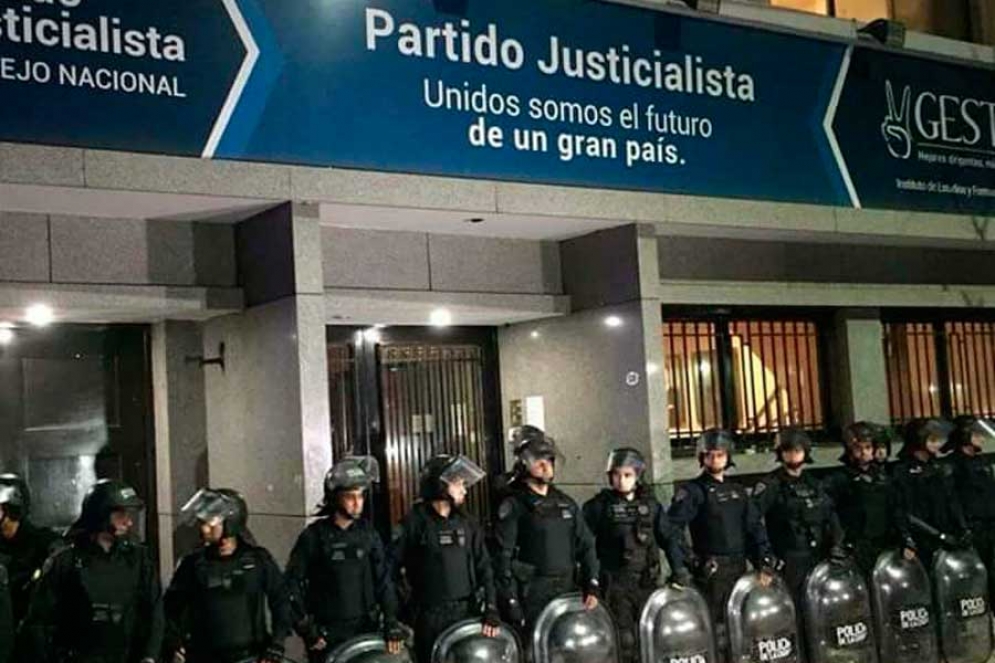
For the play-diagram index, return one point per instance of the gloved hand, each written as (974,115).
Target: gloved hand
(838,555)
(491,616)
(771,565)
(491,621)
(681,578)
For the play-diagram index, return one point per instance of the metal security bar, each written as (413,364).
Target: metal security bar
(342,398)
(913,370)
(776,376)
(432,402)
(970,350)
(694,398)
(752,376)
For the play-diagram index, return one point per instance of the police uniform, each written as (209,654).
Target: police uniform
(448,569)
(216,606)
(801,521)
(628,535)
(540,539)
(339,583)
(974,481)
(927,492)
(95,606)
(725,529)
(869,510)
(24,555)
(6,618)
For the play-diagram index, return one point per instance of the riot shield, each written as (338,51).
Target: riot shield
(838,617)
(465,642)
(566,632)
(761,622)
(903,610)
(961,590)
(368,648)
(675,627)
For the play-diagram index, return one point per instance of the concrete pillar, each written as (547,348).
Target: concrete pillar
(180,432)
(862,390)
(267,411)
(598,370)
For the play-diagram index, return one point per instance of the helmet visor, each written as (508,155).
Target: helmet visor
(545,450)
(10,495)
(462,469)
(625,458)
(207,506)
(353,472)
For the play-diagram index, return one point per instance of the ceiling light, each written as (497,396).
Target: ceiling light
(613,321)
(39,315)
(6,335)
(440,317)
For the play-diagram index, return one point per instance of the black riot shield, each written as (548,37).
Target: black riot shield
(838,617)
(903,610)
(961,590)
(761,622)
(465,642)
(566,632)
(367,649)
(675,627)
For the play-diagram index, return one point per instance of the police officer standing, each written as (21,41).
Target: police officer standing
(866,501)
(6,617)
(338,577)
(725,529)
(519,439)
(98,598)
(442,553)
(801,521)
(216,603)
(925,487)
(23,546)
(629,527)
(974,480)
(541,537)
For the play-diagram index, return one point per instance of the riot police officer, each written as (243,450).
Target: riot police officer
(23,546)
(725,529)
(442,554)
(541,537)
(866,501)
(338,577)
(216,603)
(974,480)
(98,598)
(518,439)
(6,617)
(925,487)
(801,521)
(629,527)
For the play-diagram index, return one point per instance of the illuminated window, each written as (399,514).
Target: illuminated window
(940,368)
(752,376)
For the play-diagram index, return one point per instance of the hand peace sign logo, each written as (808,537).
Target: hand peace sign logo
(895,127)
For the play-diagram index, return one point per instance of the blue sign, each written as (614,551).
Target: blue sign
(569,92)
(918,133)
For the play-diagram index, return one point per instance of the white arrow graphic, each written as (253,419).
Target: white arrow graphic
(827,124)
(235,93)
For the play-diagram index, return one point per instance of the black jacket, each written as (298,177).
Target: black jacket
(92,605)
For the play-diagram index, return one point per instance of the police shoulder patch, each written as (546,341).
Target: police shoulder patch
(681,495)
(759,488)
(506,509)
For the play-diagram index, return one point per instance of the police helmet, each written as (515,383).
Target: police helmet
(443,470)
(715,439)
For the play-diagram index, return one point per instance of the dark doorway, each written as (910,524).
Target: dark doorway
(75,406)
(404,394)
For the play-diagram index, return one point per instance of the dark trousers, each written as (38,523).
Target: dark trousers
(535,596)
(715,579)
(431,621)
(625,596)
(797,565)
